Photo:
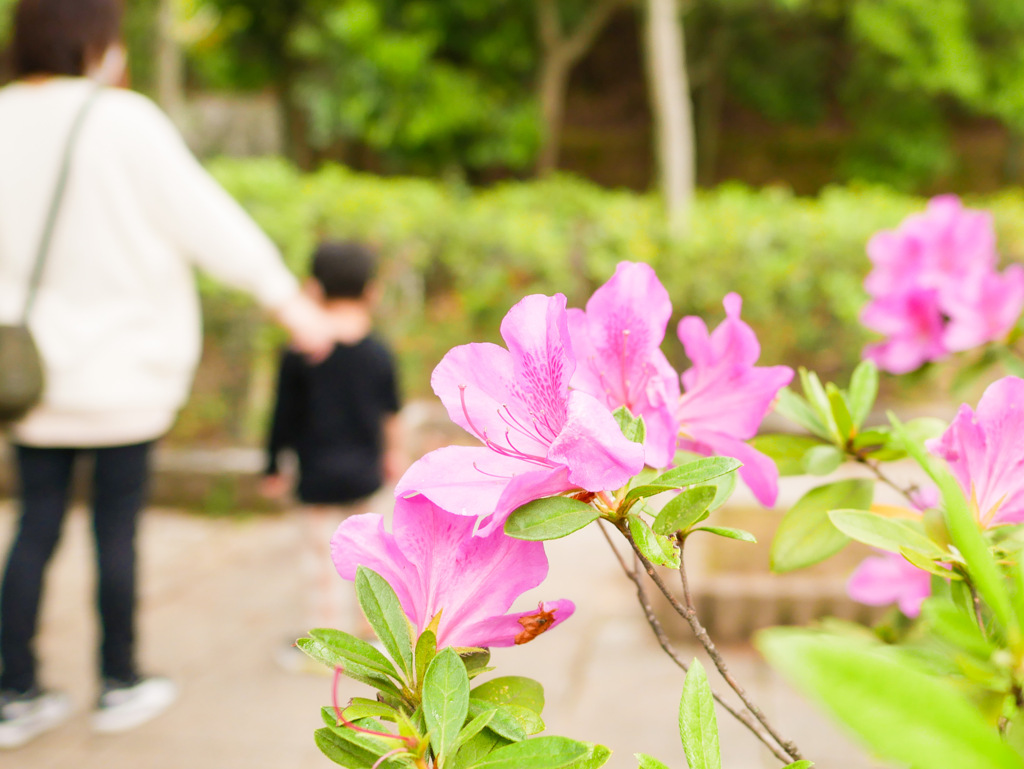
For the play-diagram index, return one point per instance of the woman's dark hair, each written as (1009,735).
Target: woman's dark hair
(58,37)
(343,268)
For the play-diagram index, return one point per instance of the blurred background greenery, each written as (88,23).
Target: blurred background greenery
(493,148)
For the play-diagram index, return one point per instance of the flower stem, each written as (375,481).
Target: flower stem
(744,717)
(689,613)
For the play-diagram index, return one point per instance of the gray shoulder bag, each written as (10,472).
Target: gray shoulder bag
(21,368)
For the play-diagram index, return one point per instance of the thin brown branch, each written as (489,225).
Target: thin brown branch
(689,614)
(907,491)
(643,598)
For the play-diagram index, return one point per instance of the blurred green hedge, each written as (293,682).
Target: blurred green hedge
(453,260)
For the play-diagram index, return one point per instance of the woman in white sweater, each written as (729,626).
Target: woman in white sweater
(116,319)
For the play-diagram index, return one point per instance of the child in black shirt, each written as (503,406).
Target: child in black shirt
(340,418)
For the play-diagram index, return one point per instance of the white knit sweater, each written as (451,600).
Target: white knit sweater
(117,313)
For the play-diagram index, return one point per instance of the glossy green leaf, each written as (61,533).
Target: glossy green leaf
(805,535)
(840,413)
(476,749)
(822,460)
(445,700)
(648,762)
(863,391)
(890,534)
(512,690)
(797,409)
(504,723)
(352,666)
(426,650)
(815,394)
(549,518)
(536,753)
(472,729)
(697,472)
(360,707)
(354,650)
(656,548)
(787,451)
(955,627)
(802,764)
(688,507)
(899,712)
(384,613)
(698,726)
(725,485)
(342,752)
(596,756)
(729,533)
(632,427)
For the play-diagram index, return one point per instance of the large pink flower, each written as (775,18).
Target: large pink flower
(540,438)
(934,287)
(436,565)
(890,578)
(726,396)
(617,342)
(985,451)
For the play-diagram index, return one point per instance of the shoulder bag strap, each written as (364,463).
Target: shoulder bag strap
(58,194)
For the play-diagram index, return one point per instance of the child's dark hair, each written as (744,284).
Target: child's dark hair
(343,268)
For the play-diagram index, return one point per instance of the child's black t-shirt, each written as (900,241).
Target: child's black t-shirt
(331,415)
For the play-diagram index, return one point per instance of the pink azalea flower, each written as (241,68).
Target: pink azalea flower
(726,396)
(984,451)
(617,342)
(890,578)
(540,438)
(934,287)
(913,323)
(436,565)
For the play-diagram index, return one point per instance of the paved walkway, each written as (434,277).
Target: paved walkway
(219,595)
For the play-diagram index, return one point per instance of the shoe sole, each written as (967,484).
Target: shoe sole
(50,715)
(121,718)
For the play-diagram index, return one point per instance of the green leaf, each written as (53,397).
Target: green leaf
(945,621)
(729,533)
(341,751)
(504,723)
(537,753)
(822,460)
(656,548)
(647,762)
(472,729)
(354,650)
(426,650)
(924,563)
(360,707)
(476,662)
(698,727)
(632,427)
(685,509)
(890,534)
(806,535)
(512,690)
(697,472)
(815,393)
(596,756)
(787,451)
(725,486)
(476,748)
(803,764)
(797,409)
(352,663)
(445,700)
(384,613)
(863,391)
(840,413)
(900,713)
(549,518)
(646,491)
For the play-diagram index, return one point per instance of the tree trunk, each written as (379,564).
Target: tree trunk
(552,87)
(170,67)
(560,53)
(670,96)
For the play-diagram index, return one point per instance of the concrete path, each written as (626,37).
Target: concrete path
(219,595)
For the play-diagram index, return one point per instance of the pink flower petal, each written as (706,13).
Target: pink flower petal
(523,627)
(890,578)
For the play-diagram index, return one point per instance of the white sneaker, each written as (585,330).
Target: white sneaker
(124,706)
(25,716)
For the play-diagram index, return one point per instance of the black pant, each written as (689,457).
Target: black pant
(119,488)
